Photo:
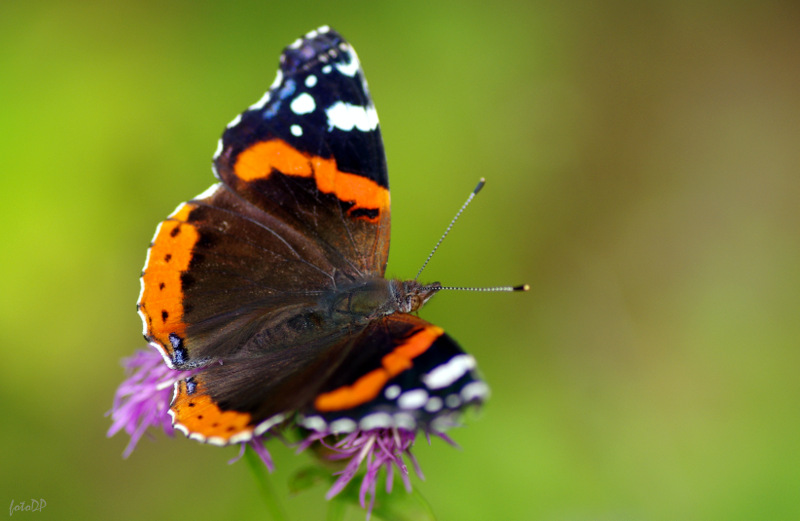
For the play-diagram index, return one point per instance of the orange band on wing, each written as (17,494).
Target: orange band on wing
(369,386)
(199,414)
(259,160)
(162,297)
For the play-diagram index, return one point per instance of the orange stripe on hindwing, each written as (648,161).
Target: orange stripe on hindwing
(162,295)
(369,386)
(259,160)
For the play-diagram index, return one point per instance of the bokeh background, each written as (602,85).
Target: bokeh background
(643,166)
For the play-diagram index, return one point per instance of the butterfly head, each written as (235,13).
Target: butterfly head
(411,295)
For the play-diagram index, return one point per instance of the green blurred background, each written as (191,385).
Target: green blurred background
(643,166)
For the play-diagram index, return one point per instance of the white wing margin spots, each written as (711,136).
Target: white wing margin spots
(345,116)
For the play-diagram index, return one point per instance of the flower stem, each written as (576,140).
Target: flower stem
(264,484)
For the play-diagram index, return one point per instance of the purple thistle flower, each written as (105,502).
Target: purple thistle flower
(377,448)
(257,444)
(142,400)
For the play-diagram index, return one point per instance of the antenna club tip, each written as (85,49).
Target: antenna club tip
(480,185)
(524,287)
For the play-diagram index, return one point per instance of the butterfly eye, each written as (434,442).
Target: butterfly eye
(413,303)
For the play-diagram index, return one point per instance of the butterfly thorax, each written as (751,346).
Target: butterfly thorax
(373,298)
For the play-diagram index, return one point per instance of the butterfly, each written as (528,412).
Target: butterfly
(269,286)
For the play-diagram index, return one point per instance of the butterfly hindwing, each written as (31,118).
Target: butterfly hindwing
(400,371)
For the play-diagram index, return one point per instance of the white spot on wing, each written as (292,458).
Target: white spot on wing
(343,425)
(258,105)
(314,423)
(141,290)
(327,69)
(277,81)
(403,420)
(171,412)
(181,428)
(303,104)
(474,390)
(268,424)
(175,212)
(241,437)
(175,389)
(311,81)
(211,190)
(375,420)
(235,121)
(434,404)
(349,69)
(296,130)
(441,423)
(412,399)
(197,436)
(392,392)
(446,374)
(216,440)
(345,116)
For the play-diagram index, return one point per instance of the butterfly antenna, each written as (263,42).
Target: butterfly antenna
(523,287)
(450,226)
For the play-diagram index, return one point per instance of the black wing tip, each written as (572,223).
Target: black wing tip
(316,45)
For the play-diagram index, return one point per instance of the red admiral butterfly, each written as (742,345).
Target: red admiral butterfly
(271,280)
